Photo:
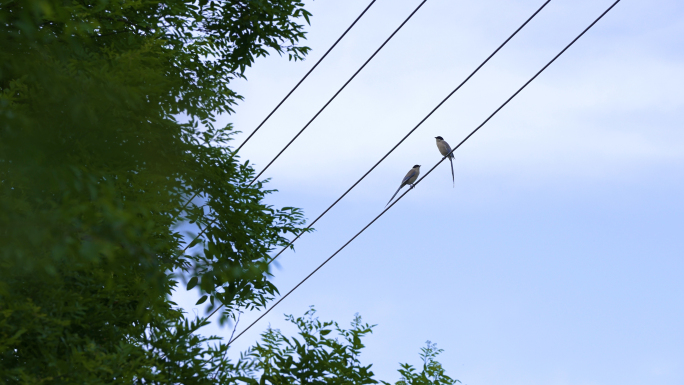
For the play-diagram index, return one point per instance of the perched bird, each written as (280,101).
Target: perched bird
(445,150)
(410,177)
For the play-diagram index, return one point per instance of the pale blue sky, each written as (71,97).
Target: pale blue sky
(558,257)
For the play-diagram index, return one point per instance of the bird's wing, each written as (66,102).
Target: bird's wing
(408,176)
(448,150)
(441,148)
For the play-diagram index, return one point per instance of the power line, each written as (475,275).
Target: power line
(340,90)
(428,173)
(414,128)
(315,116)
(305,76)
(404,138)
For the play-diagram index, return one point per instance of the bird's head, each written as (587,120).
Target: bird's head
(439,138)
(416,166)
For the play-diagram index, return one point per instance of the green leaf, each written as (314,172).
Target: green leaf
(192,283)
(194,243)
(202,300)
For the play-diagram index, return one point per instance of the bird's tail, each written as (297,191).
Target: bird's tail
(453,180)
(395,194)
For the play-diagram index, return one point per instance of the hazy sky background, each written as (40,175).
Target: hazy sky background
(558,256)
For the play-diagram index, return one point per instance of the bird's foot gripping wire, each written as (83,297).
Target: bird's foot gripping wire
(412,186)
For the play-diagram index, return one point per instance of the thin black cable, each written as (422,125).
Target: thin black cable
(305,76)
(340,90)
(415,128)
(428,173)
(318,113)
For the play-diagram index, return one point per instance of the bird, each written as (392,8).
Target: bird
(410,177)
(445,150)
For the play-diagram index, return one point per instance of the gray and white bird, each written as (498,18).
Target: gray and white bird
(445,150)
(410,177)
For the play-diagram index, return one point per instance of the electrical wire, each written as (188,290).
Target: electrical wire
(428,173)
(305,76)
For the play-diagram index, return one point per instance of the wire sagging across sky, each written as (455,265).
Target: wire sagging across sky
(429,171)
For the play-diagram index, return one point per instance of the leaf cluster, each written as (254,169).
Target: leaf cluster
(325,354)
(432,372)
(322,353)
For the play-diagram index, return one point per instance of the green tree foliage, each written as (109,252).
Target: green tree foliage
(432,374)
(324,353)
(96,167)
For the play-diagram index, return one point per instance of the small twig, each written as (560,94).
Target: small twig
(231,338)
